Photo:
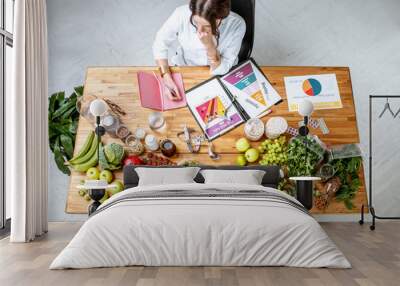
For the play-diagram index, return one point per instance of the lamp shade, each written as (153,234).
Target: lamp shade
(306,107)
(98,107)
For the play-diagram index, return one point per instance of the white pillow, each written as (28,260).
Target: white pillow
(246,177)
(166,176)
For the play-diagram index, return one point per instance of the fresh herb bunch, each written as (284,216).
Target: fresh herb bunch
(302,160)
(347,170)
(63,122)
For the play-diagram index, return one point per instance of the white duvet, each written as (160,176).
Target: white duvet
(192,231)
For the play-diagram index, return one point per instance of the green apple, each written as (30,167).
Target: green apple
(82,192)
(241,160)
(106,175)
(119,187)
(242,145)
(105,197)
(93,173)
(252,155)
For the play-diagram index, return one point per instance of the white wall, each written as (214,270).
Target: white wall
(361,34)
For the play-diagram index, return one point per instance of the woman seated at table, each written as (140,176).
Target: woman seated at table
(208,33)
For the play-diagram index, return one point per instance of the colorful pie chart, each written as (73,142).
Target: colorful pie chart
(312,87)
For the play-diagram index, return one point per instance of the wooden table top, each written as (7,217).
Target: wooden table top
(119,84)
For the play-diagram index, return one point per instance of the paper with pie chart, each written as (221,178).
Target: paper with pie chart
(322,90)
(251,89)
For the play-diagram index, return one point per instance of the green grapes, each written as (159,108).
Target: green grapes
(274,151)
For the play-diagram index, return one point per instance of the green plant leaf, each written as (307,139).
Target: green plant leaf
(60,160)
(349,204)
(68,145)
(73,127)
(60,98)
(68,113)
(355,183)
(60,128)
(63,123)
(52,105)
(63,108)
(79,90)
(52,133)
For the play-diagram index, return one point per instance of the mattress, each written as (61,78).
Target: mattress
(201,225)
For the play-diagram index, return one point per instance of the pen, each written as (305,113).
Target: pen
(171,91)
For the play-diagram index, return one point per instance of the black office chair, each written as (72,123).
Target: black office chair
(246,9)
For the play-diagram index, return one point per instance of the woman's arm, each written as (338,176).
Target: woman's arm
(228,55)
(171,90)
(209,42)
(166,35)
(164,38)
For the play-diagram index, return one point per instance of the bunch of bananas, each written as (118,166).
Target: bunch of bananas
(87,155)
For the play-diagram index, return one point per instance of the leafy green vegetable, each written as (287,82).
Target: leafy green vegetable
(114,153)
(104,163)
(302,160)
(304,155)
(63,123)
(347,170)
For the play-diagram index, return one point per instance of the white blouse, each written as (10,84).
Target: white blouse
(190,51)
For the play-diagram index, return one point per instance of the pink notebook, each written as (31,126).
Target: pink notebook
(151,91)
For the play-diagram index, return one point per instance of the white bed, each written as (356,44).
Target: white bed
(246,225)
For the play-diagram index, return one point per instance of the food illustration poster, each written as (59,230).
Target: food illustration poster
(246,81)
(217,115)
(321,90)
(211,109)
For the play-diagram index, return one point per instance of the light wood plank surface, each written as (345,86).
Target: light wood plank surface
(375,259)
(120,85)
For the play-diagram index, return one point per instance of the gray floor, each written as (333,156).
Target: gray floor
(361,34)
(374,257)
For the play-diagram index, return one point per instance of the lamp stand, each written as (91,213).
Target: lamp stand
(303,130)
(304,188)
(100,131)
(96,195)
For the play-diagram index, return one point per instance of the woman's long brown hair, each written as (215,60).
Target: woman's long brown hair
(211,10)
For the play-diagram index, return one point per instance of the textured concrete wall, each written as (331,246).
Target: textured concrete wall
(361,34)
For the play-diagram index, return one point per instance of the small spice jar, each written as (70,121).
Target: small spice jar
(168,148)
(110,123)
(140,133)
(254,129)
(122,132)
(151,142)
(136,147)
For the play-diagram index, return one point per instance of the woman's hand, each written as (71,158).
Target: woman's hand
(171,89)
(207,39)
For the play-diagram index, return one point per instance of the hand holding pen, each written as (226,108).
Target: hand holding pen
(170,88)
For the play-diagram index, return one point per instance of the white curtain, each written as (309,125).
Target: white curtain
(27,123)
